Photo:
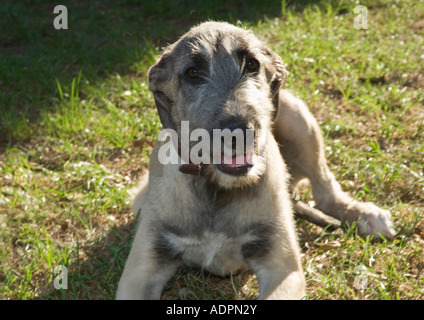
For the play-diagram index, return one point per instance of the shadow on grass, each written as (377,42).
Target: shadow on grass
(96,274)
(103,38)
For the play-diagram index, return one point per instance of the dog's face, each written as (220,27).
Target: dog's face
(218,76)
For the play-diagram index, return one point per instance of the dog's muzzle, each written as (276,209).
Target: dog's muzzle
(236,152)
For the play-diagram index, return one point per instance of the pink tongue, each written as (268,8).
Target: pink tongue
(241,159)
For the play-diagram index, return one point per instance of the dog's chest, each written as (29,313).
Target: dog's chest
(213,251)
(214,236)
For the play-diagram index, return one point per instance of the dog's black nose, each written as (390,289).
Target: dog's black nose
(235,126)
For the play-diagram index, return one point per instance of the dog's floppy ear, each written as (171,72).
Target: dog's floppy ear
(159,76)
(276,73)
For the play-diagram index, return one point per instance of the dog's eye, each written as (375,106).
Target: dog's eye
(192,73)
(252,65)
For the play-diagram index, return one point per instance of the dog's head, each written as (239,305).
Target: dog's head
(220,77)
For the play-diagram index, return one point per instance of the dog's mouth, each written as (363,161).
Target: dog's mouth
(236,165)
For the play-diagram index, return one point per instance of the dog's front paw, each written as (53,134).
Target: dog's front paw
(371,220)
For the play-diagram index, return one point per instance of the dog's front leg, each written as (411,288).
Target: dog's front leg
(277,265)
(145,283)
(279,279)
(146,272)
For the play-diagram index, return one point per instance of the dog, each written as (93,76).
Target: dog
(232,215)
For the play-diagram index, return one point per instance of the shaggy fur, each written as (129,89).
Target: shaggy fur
(218,76)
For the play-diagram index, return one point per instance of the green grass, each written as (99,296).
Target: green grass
(77,124)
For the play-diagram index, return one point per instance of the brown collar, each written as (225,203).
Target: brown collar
(189,168)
